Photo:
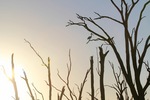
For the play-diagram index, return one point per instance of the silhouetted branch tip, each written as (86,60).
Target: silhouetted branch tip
(36,53)
(38,91)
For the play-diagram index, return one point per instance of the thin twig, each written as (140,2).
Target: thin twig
(38,91)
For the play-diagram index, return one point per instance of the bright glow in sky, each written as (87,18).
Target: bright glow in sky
(43,22)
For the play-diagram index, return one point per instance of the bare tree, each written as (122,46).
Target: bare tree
(67,81)
(27,83)
(62,93)
(12,78)
(134,58)
(100,71)
(72,95)
(92,78)
(36,90)
(49,83)
(80,89)
(119,86)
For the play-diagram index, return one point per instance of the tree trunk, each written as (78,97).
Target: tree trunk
(102,62)
(92,78)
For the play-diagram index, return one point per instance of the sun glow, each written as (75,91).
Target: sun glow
(6,86)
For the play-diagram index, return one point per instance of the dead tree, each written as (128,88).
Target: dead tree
(72,95)
(119,86)
(80,89)
(28,86)
(62,93)
(67,81)
(134,58)
(12,78)
(92,78)
(49,83)
(36,90)
(100,71)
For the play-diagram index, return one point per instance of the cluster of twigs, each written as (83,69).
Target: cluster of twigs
(134,58)
(62,93)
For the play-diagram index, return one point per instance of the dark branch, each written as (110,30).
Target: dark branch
(36,53)
(107,17)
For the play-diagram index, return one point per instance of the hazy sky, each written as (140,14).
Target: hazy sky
(43,23)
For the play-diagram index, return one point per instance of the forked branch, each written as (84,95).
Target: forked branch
(67,82)
(28,86)
(48,69)
(12,79)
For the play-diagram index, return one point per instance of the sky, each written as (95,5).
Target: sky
(43,23)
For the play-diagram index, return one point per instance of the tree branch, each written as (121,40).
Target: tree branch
(139,21)
(27,83)
(67,82)
(60,92)
(107,17)
(48,69)
(82,85)
(36,52)
(38,91)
